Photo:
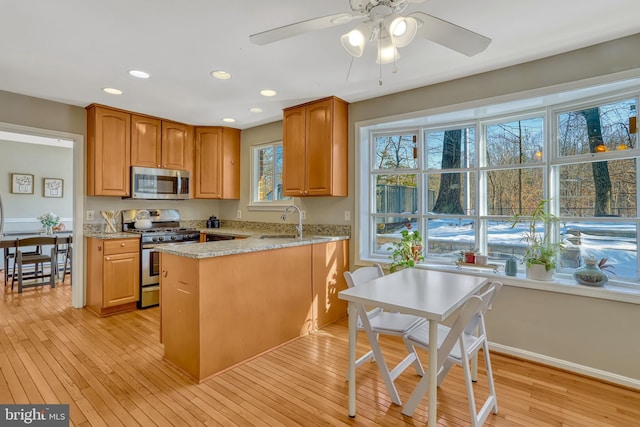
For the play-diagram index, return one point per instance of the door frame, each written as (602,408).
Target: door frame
(77,255)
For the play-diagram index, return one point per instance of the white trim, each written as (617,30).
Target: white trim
(566,365)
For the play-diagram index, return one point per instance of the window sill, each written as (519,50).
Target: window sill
(610,291)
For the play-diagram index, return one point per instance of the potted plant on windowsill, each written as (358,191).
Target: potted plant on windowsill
(406,252)
(541,253)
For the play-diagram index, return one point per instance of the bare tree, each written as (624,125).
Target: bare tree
(448,201)
(601,178)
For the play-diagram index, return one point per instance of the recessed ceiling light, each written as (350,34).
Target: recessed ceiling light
(255,110)
(221,75)
(139,74)
(112,91)
(229,120)
(267,92)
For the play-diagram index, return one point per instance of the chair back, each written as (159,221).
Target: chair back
(363,275)
(488,296)
(471,309)
(36,241)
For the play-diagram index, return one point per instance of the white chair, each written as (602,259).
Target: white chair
(469,333)
(376,322)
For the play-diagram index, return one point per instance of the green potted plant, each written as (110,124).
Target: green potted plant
(407,251)
(541,253)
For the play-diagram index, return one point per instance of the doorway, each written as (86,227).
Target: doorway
(10,135)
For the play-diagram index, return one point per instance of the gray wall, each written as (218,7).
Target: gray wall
(593,333)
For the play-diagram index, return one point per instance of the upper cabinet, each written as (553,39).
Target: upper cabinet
(217,169)
(158,143)
(177,146)
(146,141)
(315,146)
(108,151)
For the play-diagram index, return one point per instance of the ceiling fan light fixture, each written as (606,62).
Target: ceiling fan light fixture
(387,52)
(355,40)
(402,29)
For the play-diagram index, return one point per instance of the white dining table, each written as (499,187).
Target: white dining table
(434,295)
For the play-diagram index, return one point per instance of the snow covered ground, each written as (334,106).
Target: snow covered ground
(614,241)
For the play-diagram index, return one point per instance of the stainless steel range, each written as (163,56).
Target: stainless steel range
(165,229)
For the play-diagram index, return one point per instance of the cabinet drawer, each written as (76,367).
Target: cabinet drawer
(122,246)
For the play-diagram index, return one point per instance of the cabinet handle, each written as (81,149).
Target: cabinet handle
(108,258)
(122,245)
(99,248)
(165,273)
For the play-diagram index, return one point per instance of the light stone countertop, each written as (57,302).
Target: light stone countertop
(109,236)
(252,243)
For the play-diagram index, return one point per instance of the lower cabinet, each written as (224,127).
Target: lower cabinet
(220,311)
(113,275)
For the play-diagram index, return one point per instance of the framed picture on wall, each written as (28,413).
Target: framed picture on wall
(52,187)
(22,183)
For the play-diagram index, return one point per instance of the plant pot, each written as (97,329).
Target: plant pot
(539,272)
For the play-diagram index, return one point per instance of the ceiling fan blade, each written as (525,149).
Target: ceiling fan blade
(291,30)
(450,35)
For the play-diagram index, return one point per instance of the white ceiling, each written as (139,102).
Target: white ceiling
(67,50)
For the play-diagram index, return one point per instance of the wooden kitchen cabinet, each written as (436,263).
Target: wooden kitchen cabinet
(177,146)
(329,262)
(217,170)
(315,144)
(113,275)
(108,151)
(146,141)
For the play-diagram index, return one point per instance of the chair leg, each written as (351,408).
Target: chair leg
(469,383)
(54,267)
(19,261)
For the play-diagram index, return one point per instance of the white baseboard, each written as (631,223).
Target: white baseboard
(566,365)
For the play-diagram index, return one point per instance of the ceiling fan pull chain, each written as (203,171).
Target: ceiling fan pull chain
(350,66)
(380,64)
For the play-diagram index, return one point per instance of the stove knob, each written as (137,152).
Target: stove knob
(160,238)
(154,239)
(174,237)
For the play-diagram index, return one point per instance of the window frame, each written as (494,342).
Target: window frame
(550,164)
(254,203)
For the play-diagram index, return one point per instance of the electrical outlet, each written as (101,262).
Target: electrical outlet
(304,215)
(90,215)
(347,215)
(239,214)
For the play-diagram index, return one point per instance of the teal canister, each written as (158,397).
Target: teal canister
(511,266)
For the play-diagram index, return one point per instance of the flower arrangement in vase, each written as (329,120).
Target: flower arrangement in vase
(48,220)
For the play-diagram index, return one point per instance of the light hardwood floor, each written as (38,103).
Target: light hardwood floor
(110,371)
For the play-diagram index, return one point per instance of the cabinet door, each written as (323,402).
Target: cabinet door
(230,163)
(293,146)
(108,152)
(177,146)
(319,144)
(121,279)
(146,135)
(208,174)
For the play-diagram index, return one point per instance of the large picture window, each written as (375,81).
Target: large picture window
(460,183)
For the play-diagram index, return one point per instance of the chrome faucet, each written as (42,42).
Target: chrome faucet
(299,226)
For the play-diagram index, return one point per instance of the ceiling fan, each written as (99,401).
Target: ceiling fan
(383,22)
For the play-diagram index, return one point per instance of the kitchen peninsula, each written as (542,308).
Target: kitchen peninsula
(225,302)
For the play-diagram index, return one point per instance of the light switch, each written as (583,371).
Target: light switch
(239,214)
(347,215)
(90,215)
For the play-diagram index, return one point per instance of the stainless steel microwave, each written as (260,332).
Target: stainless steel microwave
(155,183)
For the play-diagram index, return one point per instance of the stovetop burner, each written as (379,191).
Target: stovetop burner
(165,227)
